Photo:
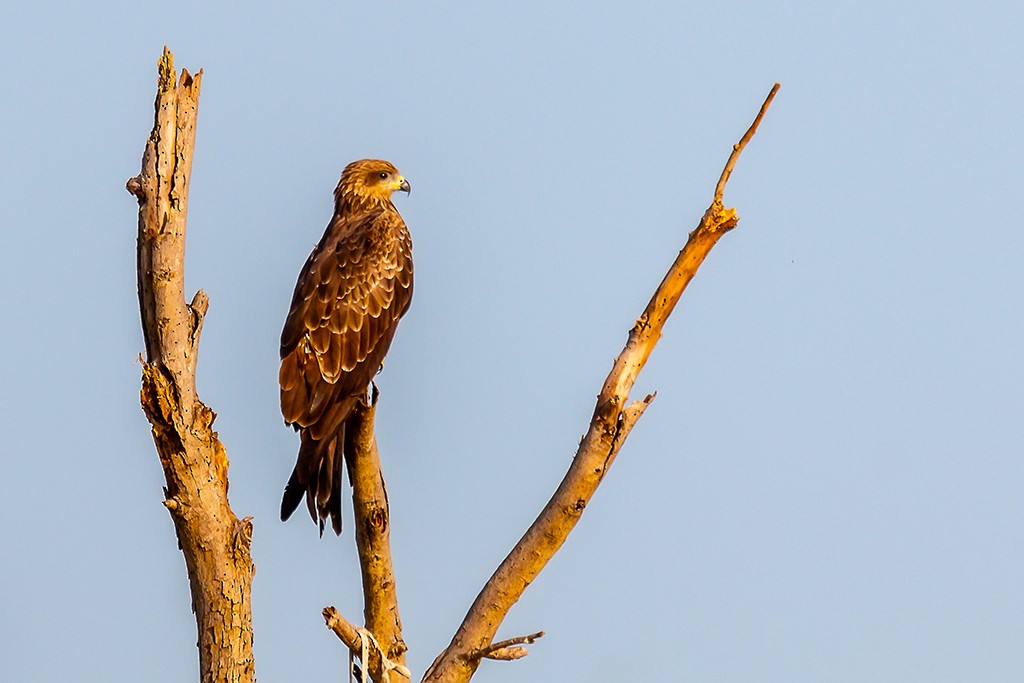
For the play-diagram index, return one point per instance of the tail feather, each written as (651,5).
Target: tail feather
(334,504)
(317,478)
(294,490)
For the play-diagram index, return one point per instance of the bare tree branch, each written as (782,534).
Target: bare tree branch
(373,541)
(611,423)
(214,542)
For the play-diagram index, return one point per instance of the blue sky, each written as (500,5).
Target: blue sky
(828,485)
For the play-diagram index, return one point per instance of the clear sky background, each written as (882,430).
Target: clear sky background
(828,486)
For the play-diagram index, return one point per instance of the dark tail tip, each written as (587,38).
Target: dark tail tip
(313,457)
(293,493)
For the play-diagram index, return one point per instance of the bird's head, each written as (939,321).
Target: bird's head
(369,182)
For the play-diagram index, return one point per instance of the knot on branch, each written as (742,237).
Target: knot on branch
(134,187)
(718,218)
(641,324)
(376,519)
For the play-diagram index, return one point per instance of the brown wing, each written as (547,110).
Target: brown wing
(350,294)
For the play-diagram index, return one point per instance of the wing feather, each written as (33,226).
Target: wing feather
(320,339)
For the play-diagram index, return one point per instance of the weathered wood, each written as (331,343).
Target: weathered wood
(611,423)
(215,543)
(373,539)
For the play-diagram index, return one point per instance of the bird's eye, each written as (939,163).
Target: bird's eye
(383,175)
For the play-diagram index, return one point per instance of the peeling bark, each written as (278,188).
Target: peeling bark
(215,543)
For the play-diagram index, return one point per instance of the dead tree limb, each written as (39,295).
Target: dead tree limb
(373,541)
(214,542)
(614,417)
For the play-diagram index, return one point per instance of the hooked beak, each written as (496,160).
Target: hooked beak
(405,187)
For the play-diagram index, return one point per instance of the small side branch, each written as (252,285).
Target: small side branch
(612,420)
(342,627)
(362,644)
(215,543)
(505,650)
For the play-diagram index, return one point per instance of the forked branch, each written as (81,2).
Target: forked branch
(614,417)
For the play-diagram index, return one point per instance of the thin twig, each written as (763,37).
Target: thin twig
(737,149)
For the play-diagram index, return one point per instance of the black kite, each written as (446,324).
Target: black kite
(351,292)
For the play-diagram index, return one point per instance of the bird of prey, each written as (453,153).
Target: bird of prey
(351,292)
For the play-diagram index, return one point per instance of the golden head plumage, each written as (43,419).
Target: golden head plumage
(368,183)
